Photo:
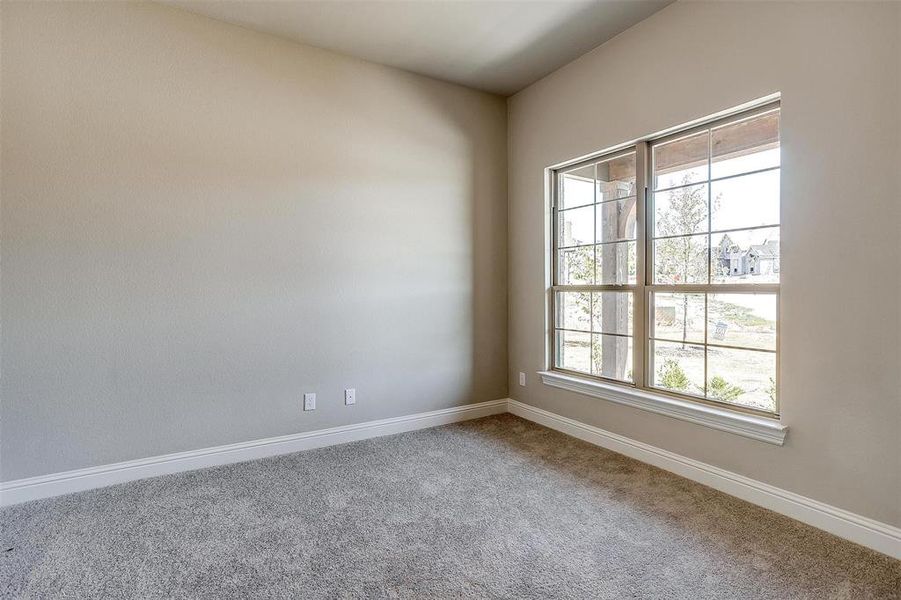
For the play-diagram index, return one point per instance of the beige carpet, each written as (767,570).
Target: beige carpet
(494,508)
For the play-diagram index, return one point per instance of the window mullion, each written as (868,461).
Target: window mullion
(605,287)
(639,299)
(709,258)
(716,288)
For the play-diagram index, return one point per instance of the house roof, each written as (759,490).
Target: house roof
(768,249)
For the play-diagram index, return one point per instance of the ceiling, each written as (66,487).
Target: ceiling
(499,46)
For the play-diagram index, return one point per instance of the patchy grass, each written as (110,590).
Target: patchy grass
(740,315)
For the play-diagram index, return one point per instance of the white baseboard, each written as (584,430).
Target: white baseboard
(850,526)
(862,530)
(56,484)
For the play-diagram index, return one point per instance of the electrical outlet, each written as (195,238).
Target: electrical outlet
(309,401)
(522,378)
(350,396)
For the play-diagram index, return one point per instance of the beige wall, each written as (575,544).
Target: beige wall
(200,223)
(837,67)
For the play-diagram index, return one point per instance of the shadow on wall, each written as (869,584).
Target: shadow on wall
(203,222)
(533,54)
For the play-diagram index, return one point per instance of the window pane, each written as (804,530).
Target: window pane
(611,356)
(742,377)
(747,320)
(746,145)
(574,351)
(678,367)
(747,201)
(574,310)
(616,263)
(680,260)
(679,317)
(612,312)
(681,211)
(681,161)
(750,256)
(576,227)
(576,266)
(577,187)
(616,220)
(616,178)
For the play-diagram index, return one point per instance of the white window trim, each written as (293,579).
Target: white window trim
(759,425)
(747,425)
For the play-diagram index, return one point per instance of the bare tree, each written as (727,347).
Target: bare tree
(682,259)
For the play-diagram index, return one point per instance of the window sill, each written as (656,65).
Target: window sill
(751,426)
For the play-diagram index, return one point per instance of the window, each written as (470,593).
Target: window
(666,264)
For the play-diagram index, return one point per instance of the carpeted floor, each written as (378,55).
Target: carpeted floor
(493,508)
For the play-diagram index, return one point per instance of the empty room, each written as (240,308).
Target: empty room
(526,299)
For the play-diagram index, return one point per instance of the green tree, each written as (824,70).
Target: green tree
(673,377)
(720,389)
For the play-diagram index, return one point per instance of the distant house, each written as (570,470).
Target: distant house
(759,259)
(763,259)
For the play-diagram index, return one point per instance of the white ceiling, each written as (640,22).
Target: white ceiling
(499,46)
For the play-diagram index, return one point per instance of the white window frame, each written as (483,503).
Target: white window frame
(762,425)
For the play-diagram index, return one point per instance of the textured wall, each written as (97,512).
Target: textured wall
(838,67)
(200,223)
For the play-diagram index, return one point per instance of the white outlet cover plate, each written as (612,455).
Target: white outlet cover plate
(309,401)
(350,396)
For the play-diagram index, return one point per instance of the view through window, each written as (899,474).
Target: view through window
(667,263)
